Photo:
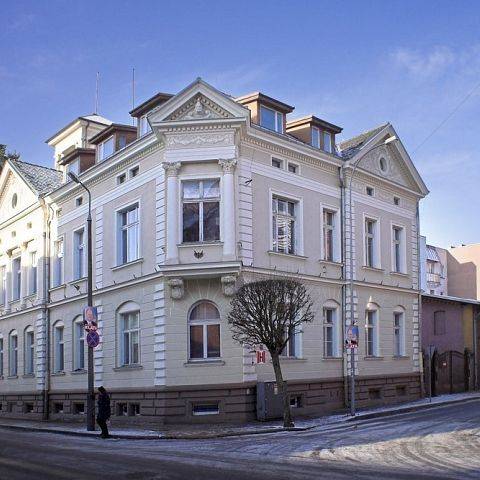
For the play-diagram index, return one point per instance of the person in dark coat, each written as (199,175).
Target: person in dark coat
(103,413)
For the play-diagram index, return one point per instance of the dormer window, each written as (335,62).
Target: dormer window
(315,137)
(105,149)
(271,119)
(327,141)
(144,126)
(74,167)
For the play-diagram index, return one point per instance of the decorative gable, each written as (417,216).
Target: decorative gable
(199,107)
(15,195)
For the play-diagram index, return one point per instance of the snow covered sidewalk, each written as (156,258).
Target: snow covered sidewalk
(218,430)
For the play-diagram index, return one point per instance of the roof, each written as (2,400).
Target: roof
(152,102)
(349,148)
(313,120)
(89,118)
(41,179)
(110,130)
(449,298)
(266,100)
(432,254)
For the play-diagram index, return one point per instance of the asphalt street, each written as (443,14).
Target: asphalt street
(441,443)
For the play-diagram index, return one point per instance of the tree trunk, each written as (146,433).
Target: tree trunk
(282,386)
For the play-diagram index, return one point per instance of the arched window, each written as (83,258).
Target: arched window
(204,331)
(29,354)
(331,329)
(78,344)
(372,341)
(399,332)
(58,348)
(129,334)
(13,354)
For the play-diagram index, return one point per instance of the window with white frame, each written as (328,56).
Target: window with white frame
(106,148)
(331,334)
(398,249)
(128,239)
(271,119)
(3,285)
(201,210)
(284,223)
(1,356)
(74,167)
(330,234)
(16,278)
(293,347)
(57,263)
(315,137)
(293,167)
(371,333)
(79,254)
(58,348)
(399,333)
(129,341)
(371,243)
(144,125)
(327,142)
(32,281)
(29,354)
(277,163)
(13,354)
(78,345)
(204,331)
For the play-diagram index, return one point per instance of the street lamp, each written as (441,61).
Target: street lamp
(390,139)
(90,374)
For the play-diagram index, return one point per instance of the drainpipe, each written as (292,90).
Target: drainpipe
(419,282)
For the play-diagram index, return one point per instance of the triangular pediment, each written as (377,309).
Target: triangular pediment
(199,108)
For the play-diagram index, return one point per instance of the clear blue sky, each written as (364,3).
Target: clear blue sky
(356,64)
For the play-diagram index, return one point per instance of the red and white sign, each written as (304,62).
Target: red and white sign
(261,356)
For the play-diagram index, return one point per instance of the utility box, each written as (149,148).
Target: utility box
(269,401)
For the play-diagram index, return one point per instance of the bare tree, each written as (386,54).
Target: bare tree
(269,312)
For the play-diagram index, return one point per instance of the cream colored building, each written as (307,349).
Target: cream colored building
(206,192)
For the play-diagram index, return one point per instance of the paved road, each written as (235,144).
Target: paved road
(442,443)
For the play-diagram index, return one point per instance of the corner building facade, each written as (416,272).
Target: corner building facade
(210,192)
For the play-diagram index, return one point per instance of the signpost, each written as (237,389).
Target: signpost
(351,342)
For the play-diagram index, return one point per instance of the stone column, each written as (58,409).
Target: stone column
(228,200)
(172,211)
(8,283)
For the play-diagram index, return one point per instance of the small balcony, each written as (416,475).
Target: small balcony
(433,278)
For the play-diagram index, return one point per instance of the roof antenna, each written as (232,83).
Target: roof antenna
(133,93)
(97,81)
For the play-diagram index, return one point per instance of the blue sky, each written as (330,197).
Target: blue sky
(354,63)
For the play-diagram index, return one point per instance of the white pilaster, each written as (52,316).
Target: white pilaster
(228,235)
(171,172)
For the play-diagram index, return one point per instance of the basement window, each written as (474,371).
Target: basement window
(122,410)
(374,394)
(133,409)
(401,390)
(28,408)
(58,407)
(79,408)
(296,401)
(199,409)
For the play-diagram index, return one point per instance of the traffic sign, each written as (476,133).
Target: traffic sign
(93,338)
(261,357)
(351,340)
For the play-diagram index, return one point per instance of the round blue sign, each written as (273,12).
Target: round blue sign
(93,338)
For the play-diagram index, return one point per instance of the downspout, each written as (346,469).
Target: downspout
(419,286)
(343,277)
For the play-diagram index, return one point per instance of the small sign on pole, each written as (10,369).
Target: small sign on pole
(90,318)
(93,338)
(351,340)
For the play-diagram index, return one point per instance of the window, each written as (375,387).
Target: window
(29,368)
(1,356)
(396,200)
(201,210)
(58,263)
(78,254)
(128,221)
(105,149)
(371,243)
(439,324)
(330,332)
(3,285)
(370,191)
(79,201)
(204,331)
(292,168)
(13,354)
(78,345)
(398,334)
(271,119)
(371,333)
(397,249)
(130,338)
(16,278)
(277,163)
(14,200)
(383,164)
(330,248)
(327,142)
(121,178)
(74,167)
(59,348)
(122,142)
(144,126)
(315,137)
(293,348)
(205,409)
(133,172)
(33,273)
(284,225)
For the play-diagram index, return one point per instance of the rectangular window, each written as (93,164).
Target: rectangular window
(79,347)
(370,191)
(201,210)
(144,126)
(128,221)
(396,200)
(271,119)
(16,278)
(59,353)
(3,285)
(122,142)
(105,149)
(133,172)
(130,328)
(79,201)
(397,249)
(293,348)
(58,263)
(370,243)
(371,335)
(330,333)
(29,353)
(292,168)
(121,178)
(315,137)
(284,225)
(78,254)
(398,334)
(74,167)
(13,356)
(327,142)
(33,273)
(277,163)
(330,236)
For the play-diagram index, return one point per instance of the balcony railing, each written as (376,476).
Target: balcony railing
(433,278)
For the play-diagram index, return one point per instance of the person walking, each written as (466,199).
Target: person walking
(103,413)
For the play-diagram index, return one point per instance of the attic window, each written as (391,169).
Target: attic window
(14,200)
(271,119)
(315,137)
(383,164)
(79,201)
(370,191)
(277,163)
(134,171)
(396,200)
(121,178)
